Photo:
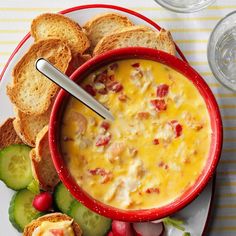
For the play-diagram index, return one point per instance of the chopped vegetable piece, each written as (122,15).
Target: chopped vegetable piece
(177,128)
(159,104)
(103,140)
(155,141)
(115,86)
(186,234)
(57,232)
(162,90)
(113,66)
(176,223)
(89,89)
(105,125)
(136,65)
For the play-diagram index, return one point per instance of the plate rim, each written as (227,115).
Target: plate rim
(129,11)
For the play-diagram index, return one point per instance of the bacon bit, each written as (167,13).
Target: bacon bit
(159,104)
(122,97)
(187,160)
(133,151)
(198,126)
(113,66)
(102,172)
(102,91)
(136,65)
(143,115)
(67,139)
(101,78)
(98,171)
(89,89)
(57,232)
(111,78)
(105,125)
(162,164)
(114,86)
(153,190)
(103,140)
(155,141)
(162,90)
(177,128)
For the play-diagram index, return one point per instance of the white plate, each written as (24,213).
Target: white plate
(195,215)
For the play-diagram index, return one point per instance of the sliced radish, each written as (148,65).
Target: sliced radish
(148,229)
(120,228)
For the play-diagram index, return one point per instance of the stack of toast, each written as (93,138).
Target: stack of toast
(66,45)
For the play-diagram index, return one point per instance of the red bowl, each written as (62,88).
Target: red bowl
(144,214)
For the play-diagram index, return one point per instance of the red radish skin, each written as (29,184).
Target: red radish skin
(110,234)
(43,201)
(120,228)
(148,229)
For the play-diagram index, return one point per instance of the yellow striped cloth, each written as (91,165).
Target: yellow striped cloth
(191,32)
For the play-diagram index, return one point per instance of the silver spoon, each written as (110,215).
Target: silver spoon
(52,73)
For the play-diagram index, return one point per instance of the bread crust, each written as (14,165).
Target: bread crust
(42,164)
(31,92)
(137,36)
(28,126)
(100,26)
(8,134)
(53,217)
(56,25)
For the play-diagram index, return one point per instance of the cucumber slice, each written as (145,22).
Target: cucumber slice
(63,198)
(15,166)
(90,222)
(21,212)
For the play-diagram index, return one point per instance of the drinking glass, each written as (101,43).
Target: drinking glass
(221,51)
(185,6)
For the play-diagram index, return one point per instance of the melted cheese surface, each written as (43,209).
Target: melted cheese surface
(154,150)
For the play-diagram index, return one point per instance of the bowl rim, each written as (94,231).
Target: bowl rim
(189,195)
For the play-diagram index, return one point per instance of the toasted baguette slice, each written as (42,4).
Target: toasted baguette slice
(56,25)
(8,134)
(103,25)
(28,126)
(42,165)
(137,36)
(32,92)
(53,217)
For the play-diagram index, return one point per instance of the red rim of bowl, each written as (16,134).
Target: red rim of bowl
(186,197)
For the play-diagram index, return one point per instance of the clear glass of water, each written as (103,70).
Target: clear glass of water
(185,6)
(221,51)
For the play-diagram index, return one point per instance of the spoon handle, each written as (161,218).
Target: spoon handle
(52,73)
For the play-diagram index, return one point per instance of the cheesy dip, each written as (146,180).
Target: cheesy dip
(154,150)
